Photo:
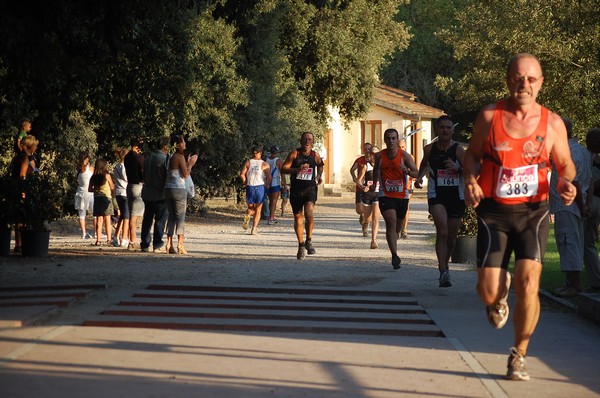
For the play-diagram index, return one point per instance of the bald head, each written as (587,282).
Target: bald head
(518,57)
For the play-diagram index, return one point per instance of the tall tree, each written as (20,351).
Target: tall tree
(564,34)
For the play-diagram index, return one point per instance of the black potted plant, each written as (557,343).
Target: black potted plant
(465,250)
(41,204)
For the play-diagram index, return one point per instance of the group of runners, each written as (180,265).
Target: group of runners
(503,174)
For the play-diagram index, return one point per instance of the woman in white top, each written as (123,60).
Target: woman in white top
(84,200)
(178,169)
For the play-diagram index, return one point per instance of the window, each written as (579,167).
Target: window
(370,131)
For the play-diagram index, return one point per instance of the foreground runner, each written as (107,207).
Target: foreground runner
(306,169)
(506,178)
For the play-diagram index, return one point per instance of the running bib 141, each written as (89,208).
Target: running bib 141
(517,183)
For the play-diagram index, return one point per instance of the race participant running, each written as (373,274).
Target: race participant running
(506,179)
(445,192)
(394,166)
(306,169)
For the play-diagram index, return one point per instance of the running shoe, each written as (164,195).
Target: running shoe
(396,261)
(301,252)
(516,366)
(245,222)
(445,279)
(254,230)
(365,229)
(498,313)
(403,234)
(125,243)
(309,247)
(115,242)
(374,245)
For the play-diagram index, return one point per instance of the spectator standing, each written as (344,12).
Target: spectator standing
(590,253)
(178,170)
(569,219)
(84,199)
(134,167)
(101,184)
(120,180)
(153,195)
(22,166)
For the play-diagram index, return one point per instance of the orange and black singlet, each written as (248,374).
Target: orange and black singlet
(393,178)
(515,170)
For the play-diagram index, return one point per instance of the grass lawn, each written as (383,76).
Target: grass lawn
(552,277)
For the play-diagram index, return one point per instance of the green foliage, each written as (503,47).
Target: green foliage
(44,192)
(468,224)
(564,34)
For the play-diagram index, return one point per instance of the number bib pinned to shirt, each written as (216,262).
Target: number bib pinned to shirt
(305,174)
(394,185)
(447,178)
(517,183)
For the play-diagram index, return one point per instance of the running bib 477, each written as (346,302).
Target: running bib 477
(517,183)
(305,174)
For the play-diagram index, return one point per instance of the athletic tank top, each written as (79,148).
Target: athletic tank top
(444,183)
(255,175)
(515,170)
(307,177)
(275,173)
(394,180)
(369,177)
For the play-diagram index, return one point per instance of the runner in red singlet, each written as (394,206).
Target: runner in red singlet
(393,166)
(505,173)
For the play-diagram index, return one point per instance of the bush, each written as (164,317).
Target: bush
(468,224)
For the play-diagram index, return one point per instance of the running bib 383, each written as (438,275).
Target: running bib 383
(517,183)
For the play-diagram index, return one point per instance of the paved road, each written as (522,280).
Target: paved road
(60,356)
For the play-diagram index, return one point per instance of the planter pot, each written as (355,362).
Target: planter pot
(465,250)
(35,243)
(5,234)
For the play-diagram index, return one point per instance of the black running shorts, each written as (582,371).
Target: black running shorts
(400,205)
(299,197)
(502,229)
